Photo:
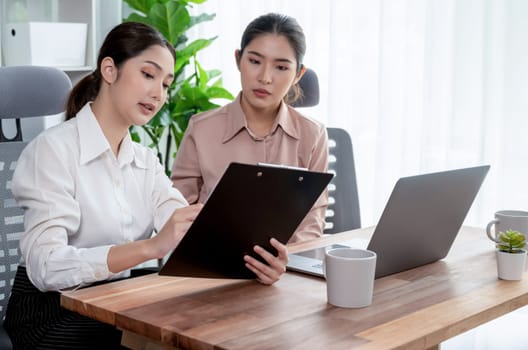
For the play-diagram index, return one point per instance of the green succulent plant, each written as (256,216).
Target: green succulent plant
(194,88)
(511,241)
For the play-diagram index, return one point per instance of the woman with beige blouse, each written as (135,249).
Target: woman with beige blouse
(259,126)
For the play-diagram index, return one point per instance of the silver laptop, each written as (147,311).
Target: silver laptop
(418,225)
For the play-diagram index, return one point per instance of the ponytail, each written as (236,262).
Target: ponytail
(84,91)
(295,93)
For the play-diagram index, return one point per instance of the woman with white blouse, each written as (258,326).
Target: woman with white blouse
(93,198)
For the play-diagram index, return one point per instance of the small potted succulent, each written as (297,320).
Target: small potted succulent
(511,255)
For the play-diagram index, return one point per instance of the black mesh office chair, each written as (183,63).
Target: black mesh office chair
(343,211)
(25,91)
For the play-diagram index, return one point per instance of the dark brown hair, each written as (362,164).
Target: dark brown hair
(274,23)
(124,41)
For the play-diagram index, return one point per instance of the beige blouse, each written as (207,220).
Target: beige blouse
(215,138)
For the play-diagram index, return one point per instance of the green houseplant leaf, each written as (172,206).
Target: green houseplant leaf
(511,241)
(194,87)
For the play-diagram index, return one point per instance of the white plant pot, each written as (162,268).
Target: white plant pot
(511,266)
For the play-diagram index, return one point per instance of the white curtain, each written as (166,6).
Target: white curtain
(420,85)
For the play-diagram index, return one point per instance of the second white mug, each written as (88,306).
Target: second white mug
(507,220)
(349,276)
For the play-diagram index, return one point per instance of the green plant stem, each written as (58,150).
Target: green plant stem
(167,152)
(155,142)
(177,135)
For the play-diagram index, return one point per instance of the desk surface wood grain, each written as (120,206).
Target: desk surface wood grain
(415,309)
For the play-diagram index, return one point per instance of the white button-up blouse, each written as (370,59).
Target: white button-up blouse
(80,200)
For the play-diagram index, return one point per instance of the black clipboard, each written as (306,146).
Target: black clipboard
(249,205)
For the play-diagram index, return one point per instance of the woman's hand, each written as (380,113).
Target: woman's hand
(173,231)
(125,256)
(271,273)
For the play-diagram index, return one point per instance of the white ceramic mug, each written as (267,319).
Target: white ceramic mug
(349,276)
(507,220)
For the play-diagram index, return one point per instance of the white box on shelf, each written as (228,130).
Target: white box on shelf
(56,44)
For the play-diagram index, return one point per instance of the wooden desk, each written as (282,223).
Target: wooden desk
(416,309)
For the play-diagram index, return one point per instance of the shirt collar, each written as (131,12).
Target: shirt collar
(129,154)
(93,143)
(237,120)
(286,121)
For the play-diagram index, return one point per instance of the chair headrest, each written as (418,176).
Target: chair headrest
(31,91)
(309,85)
